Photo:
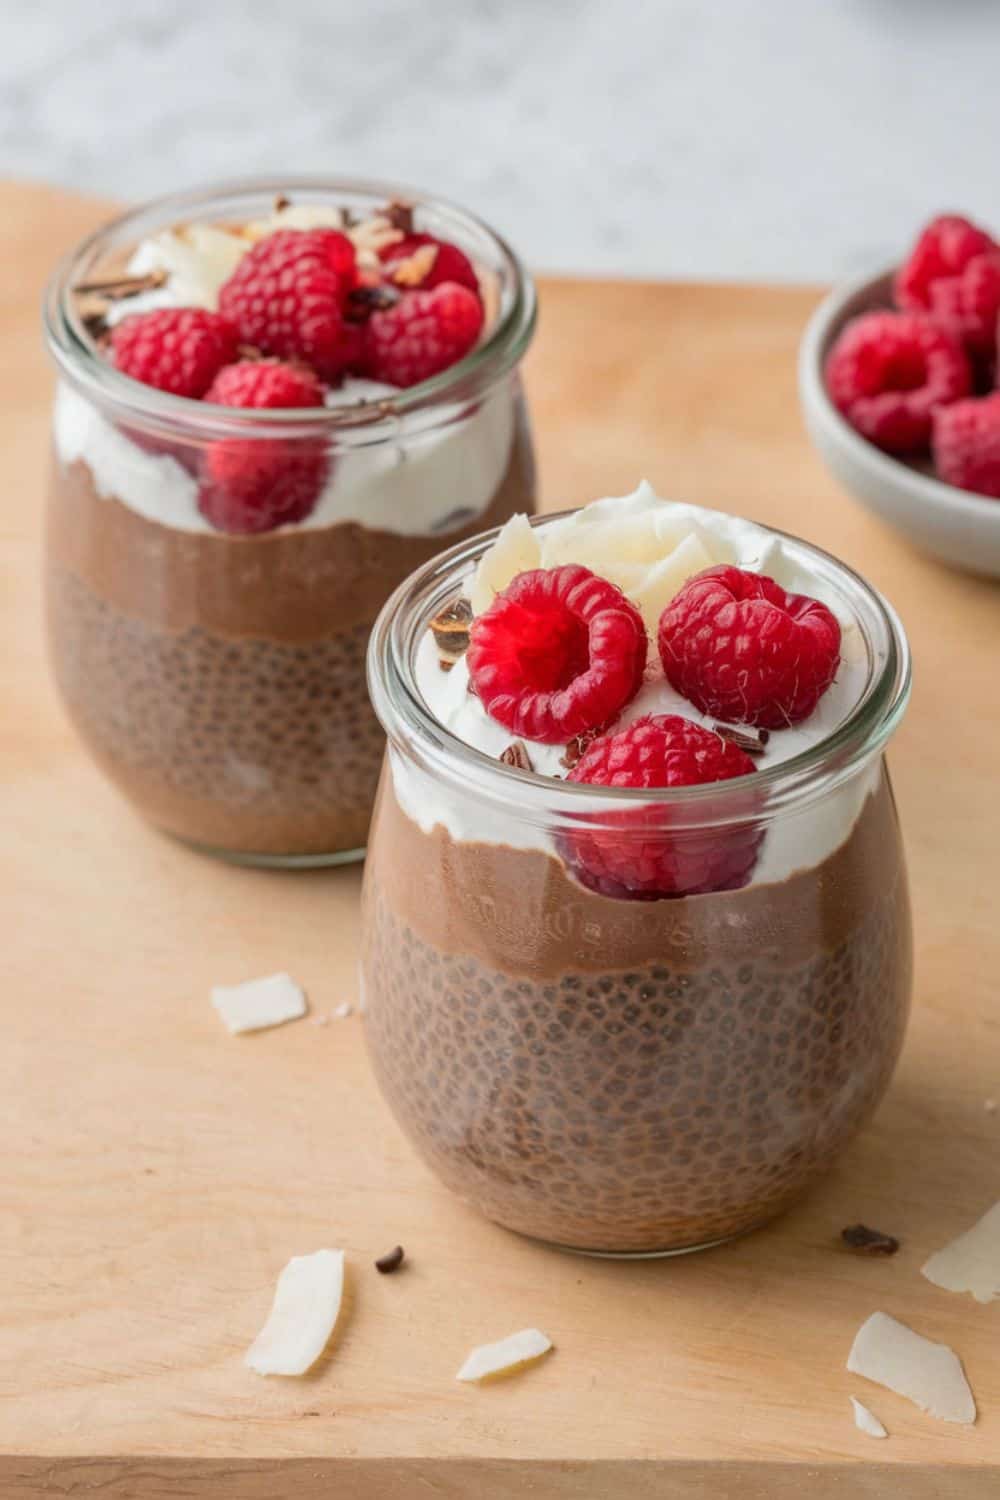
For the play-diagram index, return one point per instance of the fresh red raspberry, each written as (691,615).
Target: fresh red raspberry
(287,293)
(953,274)
(265,383)
(558,652)
(888,372)
(176,349)
(422,334)
(450,263)
(353,350)
(257,483)
(645,853)
(966,445)
(739,648)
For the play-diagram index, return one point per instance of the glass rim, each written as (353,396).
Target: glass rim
(81,362)
(414,730)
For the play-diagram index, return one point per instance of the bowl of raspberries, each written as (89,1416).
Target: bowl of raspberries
(900,386)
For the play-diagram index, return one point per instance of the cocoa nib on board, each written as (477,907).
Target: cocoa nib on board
(390,1261)
(869,1241)
(450,630)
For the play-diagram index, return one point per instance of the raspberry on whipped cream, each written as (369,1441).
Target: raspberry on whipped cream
(559,652)
(738,646)
(249,487)
(634,858)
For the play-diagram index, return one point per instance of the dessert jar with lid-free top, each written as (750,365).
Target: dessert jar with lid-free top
(218,678)
(624,1076)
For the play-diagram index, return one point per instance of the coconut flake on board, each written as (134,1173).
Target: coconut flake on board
(866,1421)
(259,1003)
(303,1315)
(972,1262)
(506,1356)
(928,1374)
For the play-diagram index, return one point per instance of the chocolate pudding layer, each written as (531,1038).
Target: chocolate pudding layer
(219,680)
(631,1077)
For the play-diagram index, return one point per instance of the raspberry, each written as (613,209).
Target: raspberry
(558,652)
(176,349)
(422,334)
(265,383)
(286,296)
(740,649)
(450,263)
(953,274)
(888,372)
(257,483)
(966,445)
(353,350)
(636,852)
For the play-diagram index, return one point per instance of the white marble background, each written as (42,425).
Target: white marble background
(791,139)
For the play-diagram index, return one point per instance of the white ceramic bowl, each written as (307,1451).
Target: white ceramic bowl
(959,527)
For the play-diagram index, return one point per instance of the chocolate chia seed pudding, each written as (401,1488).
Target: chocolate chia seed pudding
(216,669)
(633,1076)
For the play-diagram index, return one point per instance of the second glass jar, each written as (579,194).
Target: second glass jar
(219,679)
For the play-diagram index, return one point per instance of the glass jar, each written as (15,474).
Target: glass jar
(218,679)
(633,1077)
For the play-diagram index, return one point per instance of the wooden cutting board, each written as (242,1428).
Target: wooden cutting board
(157,1173)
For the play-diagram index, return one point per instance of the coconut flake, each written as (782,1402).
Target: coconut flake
(343,1010)
(503,1358)
(972,1262)
(516,550)
(197,260)
(866,1420)
(928,1374)
(259,1003)
(302,1317)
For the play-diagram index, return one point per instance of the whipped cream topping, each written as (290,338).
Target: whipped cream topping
(650,547)
(424,484)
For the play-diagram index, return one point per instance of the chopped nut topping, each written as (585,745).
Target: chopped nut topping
(417,267)
(390,1261)
(281,202)
(116,287)
(365,299)
(869,1241)
(753,741)
(451,631)
(373,235)
(96,325)
(579,745)
(516,754)
(400,216)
